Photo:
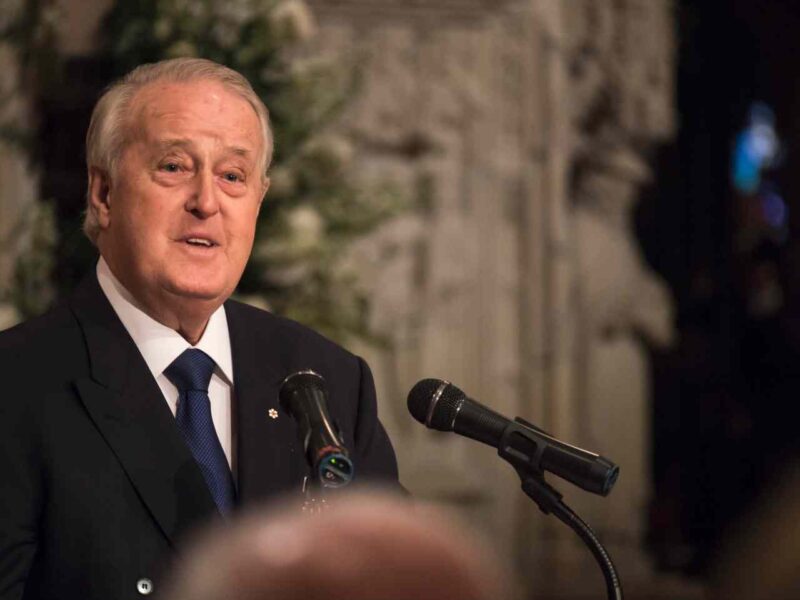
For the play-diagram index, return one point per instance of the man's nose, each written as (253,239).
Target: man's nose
(203,201)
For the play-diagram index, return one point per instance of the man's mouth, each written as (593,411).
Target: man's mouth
(199,241)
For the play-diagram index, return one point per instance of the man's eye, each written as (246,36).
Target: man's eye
(233,177)
(171,167)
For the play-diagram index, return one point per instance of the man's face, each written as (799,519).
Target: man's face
(181,209)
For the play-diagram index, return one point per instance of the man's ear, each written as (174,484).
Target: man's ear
(264,188)
(100,196)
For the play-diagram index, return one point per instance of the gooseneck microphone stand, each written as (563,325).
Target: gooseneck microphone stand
(530,468)
(549,501)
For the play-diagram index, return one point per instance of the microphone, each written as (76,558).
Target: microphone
(304,396)
(440,405)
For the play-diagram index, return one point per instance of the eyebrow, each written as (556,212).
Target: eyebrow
(175,143)
(239,151)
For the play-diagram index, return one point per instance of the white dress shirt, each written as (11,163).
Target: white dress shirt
(160,345)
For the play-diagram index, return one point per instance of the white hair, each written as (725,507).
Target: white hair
(108,127)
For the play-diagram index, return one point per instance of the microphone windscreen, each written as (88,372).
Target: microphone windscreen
(434,403)
(308,380)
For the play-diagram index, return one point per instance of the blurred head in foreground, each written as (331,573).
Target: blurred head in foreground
(363,547)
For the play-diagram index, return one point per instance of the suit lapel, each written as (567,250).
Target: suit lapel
(268,453)
(128,408)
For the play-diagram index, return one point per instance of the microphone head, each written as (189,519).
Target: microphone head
(297,381)
(435,403)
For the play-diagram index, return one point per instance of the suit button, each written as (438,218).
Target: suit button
(144,587)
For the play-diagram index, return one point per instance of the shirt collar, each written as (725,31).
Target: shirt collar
(158,344)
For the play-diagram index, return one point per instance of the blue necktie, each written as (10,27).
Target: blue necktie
(191,373)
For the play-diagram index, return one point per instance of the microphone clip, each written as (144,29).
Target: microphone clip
(521,447)
(531,450)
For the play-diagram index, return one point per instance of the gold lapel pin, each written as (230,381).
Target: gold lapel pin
(273,413)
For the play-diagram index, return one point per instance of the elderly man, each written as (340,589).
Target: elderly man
(148,403)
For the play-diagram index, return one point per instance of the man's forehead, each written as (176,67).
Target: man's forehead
(166,144)
(163,98)
(205,103)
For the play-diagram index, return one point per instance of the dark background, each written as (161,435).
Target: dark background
(724,424)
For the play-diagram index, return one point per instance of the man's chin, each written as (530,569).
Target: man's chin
(200,293)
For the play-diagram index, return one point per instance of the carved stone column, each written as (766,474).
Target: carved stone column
(463,106)
(620,57)
(445,112)
(484,109)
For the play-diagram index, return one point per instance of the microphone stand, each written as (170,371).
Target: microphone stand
(527,462)
(549,501)
(314,497)
(315,487)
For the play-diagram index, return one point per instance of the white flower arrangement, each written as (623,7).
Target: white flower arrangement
(293,20)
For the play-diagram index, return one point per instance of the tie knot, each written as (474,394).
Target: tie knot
(191,371)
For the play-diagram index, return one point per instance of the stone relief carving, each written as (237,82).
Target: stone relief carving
(620,293)
(619,60)
(440,115)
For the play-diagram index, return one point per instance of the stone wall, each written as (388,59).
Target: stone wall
(526,126)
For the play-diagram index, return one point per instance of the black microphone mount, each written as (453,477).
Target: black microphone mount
(440,405)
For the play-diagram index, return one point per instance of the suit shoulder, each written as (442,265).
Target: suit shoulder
(39,349)
(290,334)
(40,331)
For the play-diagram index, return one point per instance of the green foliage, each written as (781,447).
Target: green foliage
(28,29)
(32,292)
(314,208)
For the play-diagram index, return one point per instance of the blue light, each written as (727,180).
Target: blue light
(746,167)
(756,148)
(774,209)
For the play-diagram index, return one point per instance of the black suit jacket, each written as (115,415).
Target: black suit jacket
(97,487)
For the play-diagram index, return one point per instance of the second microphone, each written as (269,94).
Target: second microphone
(439,404)
(304,396)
